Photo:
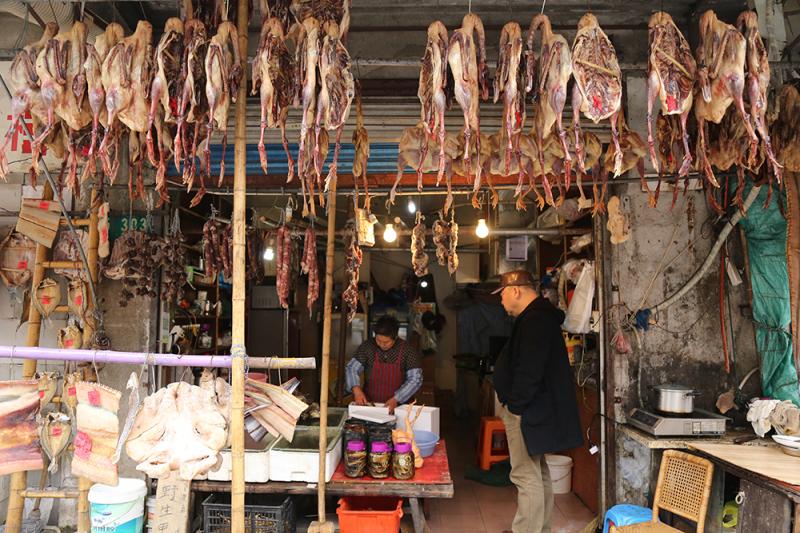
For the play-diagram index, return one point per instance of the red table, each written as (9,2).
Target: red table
(434,471)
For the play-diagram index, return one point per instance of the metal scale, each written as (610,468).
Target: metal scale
(699,423)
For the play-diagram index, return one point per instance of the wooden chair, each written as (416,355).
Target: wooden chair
(684,485)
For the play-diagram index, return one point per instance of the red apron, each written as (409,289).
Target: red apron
(384,378)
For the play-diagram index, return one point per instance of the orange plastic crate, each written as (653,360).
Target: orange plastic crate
(370,514)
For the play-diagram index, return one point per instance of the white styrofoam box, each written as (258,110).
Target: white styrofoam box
(256,464)
(288,462)
(428,420)
(371,413)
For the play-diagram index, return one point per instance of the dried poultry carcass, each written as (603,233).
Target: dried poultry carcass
(507,83)
(352,263)
(335,96)
(63,88)
(445,238)
(592,150)
(634,150)
(192,106)
(497,165)
(412,146)
(597,92)
(309,266)
(180,427)
(552,157)
(757,81)
(93,67)
(164,93)
(308,173)
(431,92)
(467,62)
(784,130)
(669,144)
(360,150)
(25,88)
(19,437)
(274,72)
(126,80)
(671,76)
(306,35)
(324,11)
(279,9)
(720,57)
(223,75)
(419,259)
(548,81)
(480,157)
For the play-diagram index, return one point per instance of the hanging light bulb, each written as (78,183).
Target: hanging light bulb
(482,230)
(269,253)
(389,234)
(412,207)
(424,284)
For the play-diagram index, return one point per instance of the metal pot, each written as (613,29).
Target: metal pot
(675,399)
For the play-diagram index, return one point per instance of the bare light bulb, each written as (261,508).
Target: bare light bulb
(269,253)
(424,284)
(412,207)
(389,234)
(482,230)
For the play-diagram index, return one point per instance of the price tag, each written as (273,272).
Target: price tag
(172,504)
(44,204)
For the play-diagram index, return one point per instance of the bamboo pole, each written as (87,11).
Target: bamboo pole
(326,351)
(238,298)
(19,480)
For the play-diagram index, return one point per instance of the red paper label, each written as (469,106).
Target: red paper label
(56,432)
(672,103)
(72,391)
(597,102)
(104,234)
(22,265)
(41,394)
(46,300)
(79,300)
(44,204)
(68,343)
(83,445)
(94,397)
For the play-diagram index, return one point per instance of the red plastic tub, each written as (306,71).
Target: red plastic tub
(370,514)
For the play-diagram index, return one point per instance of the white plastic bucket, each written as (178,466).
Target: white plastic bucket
(118,509)
(560,467)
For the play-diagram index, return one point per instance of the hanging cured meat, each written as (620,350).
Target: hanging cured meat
(597,92)
(336,11)
(26,90)
(19,436)
(467,60)
(283,267)
(431,92)
(274,74)
(352,264)
(720,57)
(98,431)
(507,83)
(306,35)
(181,427)
(419,259)
(548,78)
(671,76)
(445,238)
(309,266)
(361,150)
(223,75)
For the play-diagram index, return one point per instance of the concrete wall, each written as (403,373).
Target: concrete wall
(665,248)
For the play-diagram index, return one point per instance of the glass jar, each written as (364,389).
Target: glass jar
(403,461)
(355,459)
(380,459)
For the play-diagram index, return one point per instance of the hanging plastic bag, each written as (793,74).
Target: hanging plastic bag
(579,312)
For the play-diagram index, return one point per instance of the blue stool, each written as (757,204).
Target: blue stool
(625,514)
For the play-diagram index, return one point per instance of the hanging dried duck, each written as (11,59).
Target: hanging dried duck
(46,297)
(419,259)
(353,259)
(361,150)
(283,260)
(431,92)
(55,431)
(634,150)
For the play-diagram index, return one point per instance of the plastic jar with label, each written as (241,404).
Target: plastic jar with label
(380,459)
(355,459)
(403,461)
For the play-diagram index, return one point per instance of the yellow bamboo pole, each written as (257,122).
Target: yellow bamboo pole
(326,351)
(238,297)
(19,480)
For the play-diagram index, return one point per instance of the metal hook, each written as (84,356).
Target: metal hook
(544,3)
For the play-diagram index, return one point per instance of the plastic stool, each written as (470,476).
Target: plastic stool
(488,454)
(626,514)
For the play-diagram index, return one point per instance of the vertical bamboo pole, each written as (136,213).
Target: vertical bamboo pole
(19,480)
(326,350)
(238,297)
(84,519)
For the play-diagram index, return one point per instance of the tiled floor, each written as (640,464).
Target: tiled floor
(478,508)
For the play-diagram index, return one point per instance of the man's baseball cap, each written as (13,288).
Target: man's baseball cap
(514,278)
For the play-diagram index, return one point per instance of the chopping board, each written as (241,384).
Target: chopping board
(768,461)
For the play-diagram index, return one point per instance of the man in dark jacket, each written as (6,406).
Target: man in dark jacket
(534,383)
